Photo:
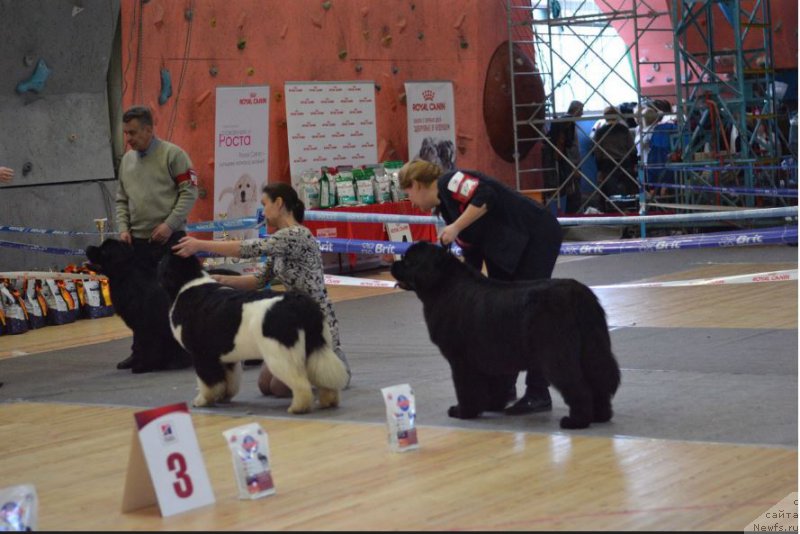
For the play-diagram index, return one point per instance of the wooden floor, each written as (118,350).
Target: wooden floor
(341,476)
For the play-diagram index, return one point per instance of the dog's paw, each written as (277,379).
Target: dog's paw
(459,413)
(571,423)
(298,410)
(328,398)
(200,401)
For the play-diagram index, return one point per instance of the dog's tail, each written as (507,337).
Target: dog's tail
(324,367)
(597,361)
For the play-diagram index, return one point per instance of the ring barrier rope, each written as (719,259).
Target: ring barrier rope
(245,223)
(771,192)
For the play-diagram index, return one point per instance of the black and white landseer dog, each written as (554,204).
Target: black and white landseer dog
(142,304)
(489,328)
(221,326)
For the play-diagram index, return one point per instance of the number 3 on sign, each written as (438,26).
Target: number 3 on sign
(177,463)
(166,439)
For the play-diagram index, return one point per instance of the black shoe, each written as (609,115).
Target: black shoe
(529,405)
(127,363)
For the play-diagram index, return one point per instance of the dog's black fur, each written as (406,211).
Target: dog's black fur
(142,304)
(221,326)
(488,329)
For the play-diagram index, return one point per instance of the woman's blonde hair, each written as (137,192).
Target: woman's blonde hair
(418,170)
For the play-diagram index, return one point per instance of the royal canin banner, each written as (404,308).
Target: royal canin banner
(431,122)
(241,152)
(330,124)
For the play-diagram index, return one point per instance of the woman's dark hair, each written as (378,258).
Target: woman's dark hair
(290,199)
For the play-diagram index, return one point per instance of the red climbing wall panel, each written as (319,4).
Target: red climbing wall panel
(386,41)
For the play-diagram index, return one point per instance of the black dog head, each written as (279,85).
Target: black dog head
(424,267)
(111,257)
(174,272)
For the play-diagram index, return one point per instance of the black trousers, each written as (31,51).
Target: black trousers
(149,253)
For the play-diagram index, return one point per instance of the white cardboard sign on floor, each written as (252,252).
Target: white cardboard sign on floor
(165,465)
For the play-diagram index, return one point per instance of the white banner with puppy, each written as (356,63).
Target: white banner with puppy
(431,122)
(241,153)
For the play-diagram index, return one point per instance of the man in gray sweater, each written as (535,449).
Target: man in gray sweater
(157,190)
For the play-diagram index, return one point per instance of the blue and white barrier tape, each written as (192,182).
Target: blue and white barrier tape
(767,236)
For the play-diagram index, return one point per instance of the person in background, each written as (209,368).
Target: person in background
(564,138)
(157,190)
(6,175)
(515,236)
(293,258)
(615,154)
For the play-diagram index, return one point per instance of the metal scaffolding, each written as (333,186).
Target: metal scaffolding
(724,90)
(726,101)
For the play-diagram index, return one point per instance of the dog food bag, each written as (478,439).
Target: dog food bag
(16,314)
(393,171)
(249,448)
(34,301)
(382,183)
(364,187)
(401,417)
(19,508)
(309,189)
(345,188)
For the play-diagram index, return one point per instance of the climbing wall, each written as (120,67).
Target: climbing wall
(201,45)
(54,113)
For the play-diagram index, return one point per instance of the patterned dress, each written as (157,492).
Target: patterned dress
(294,259)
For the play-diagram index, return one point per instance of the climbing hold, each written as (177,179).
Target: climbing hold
(284,30)
(213,71)
(166,87)
(241,43)
(386,40)
(420,36)
(213,22)
(36,82)
(555,9)
(188,14)
(395,69)
(463,43)
(278,96)
(460,21)
(326,5)
(27,60)
(364,11)
(202,98)
(316,22)
(250,71)
(72,137)
(158,16)
(242,18)
(27,167)
(650,78)
(365,34)
(193,125)
(342,54)
(401,25)
(359,68)
(402,98)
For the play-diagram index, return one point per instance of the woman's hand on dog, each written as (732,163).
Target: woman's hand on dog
(186,247)
(449,234)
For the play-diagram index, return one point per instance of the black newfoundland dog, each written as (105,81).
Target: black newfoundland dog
(142,304)
(488,329)
(221,326)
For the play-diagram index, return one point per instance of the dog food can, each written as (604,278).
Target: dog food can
(401,416)
(249,448)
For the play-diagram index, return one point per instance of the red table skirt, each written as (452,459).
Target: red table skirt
(371,231)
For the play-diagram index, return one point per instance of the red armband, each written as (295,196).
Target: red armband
(462,187)
(189,175)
